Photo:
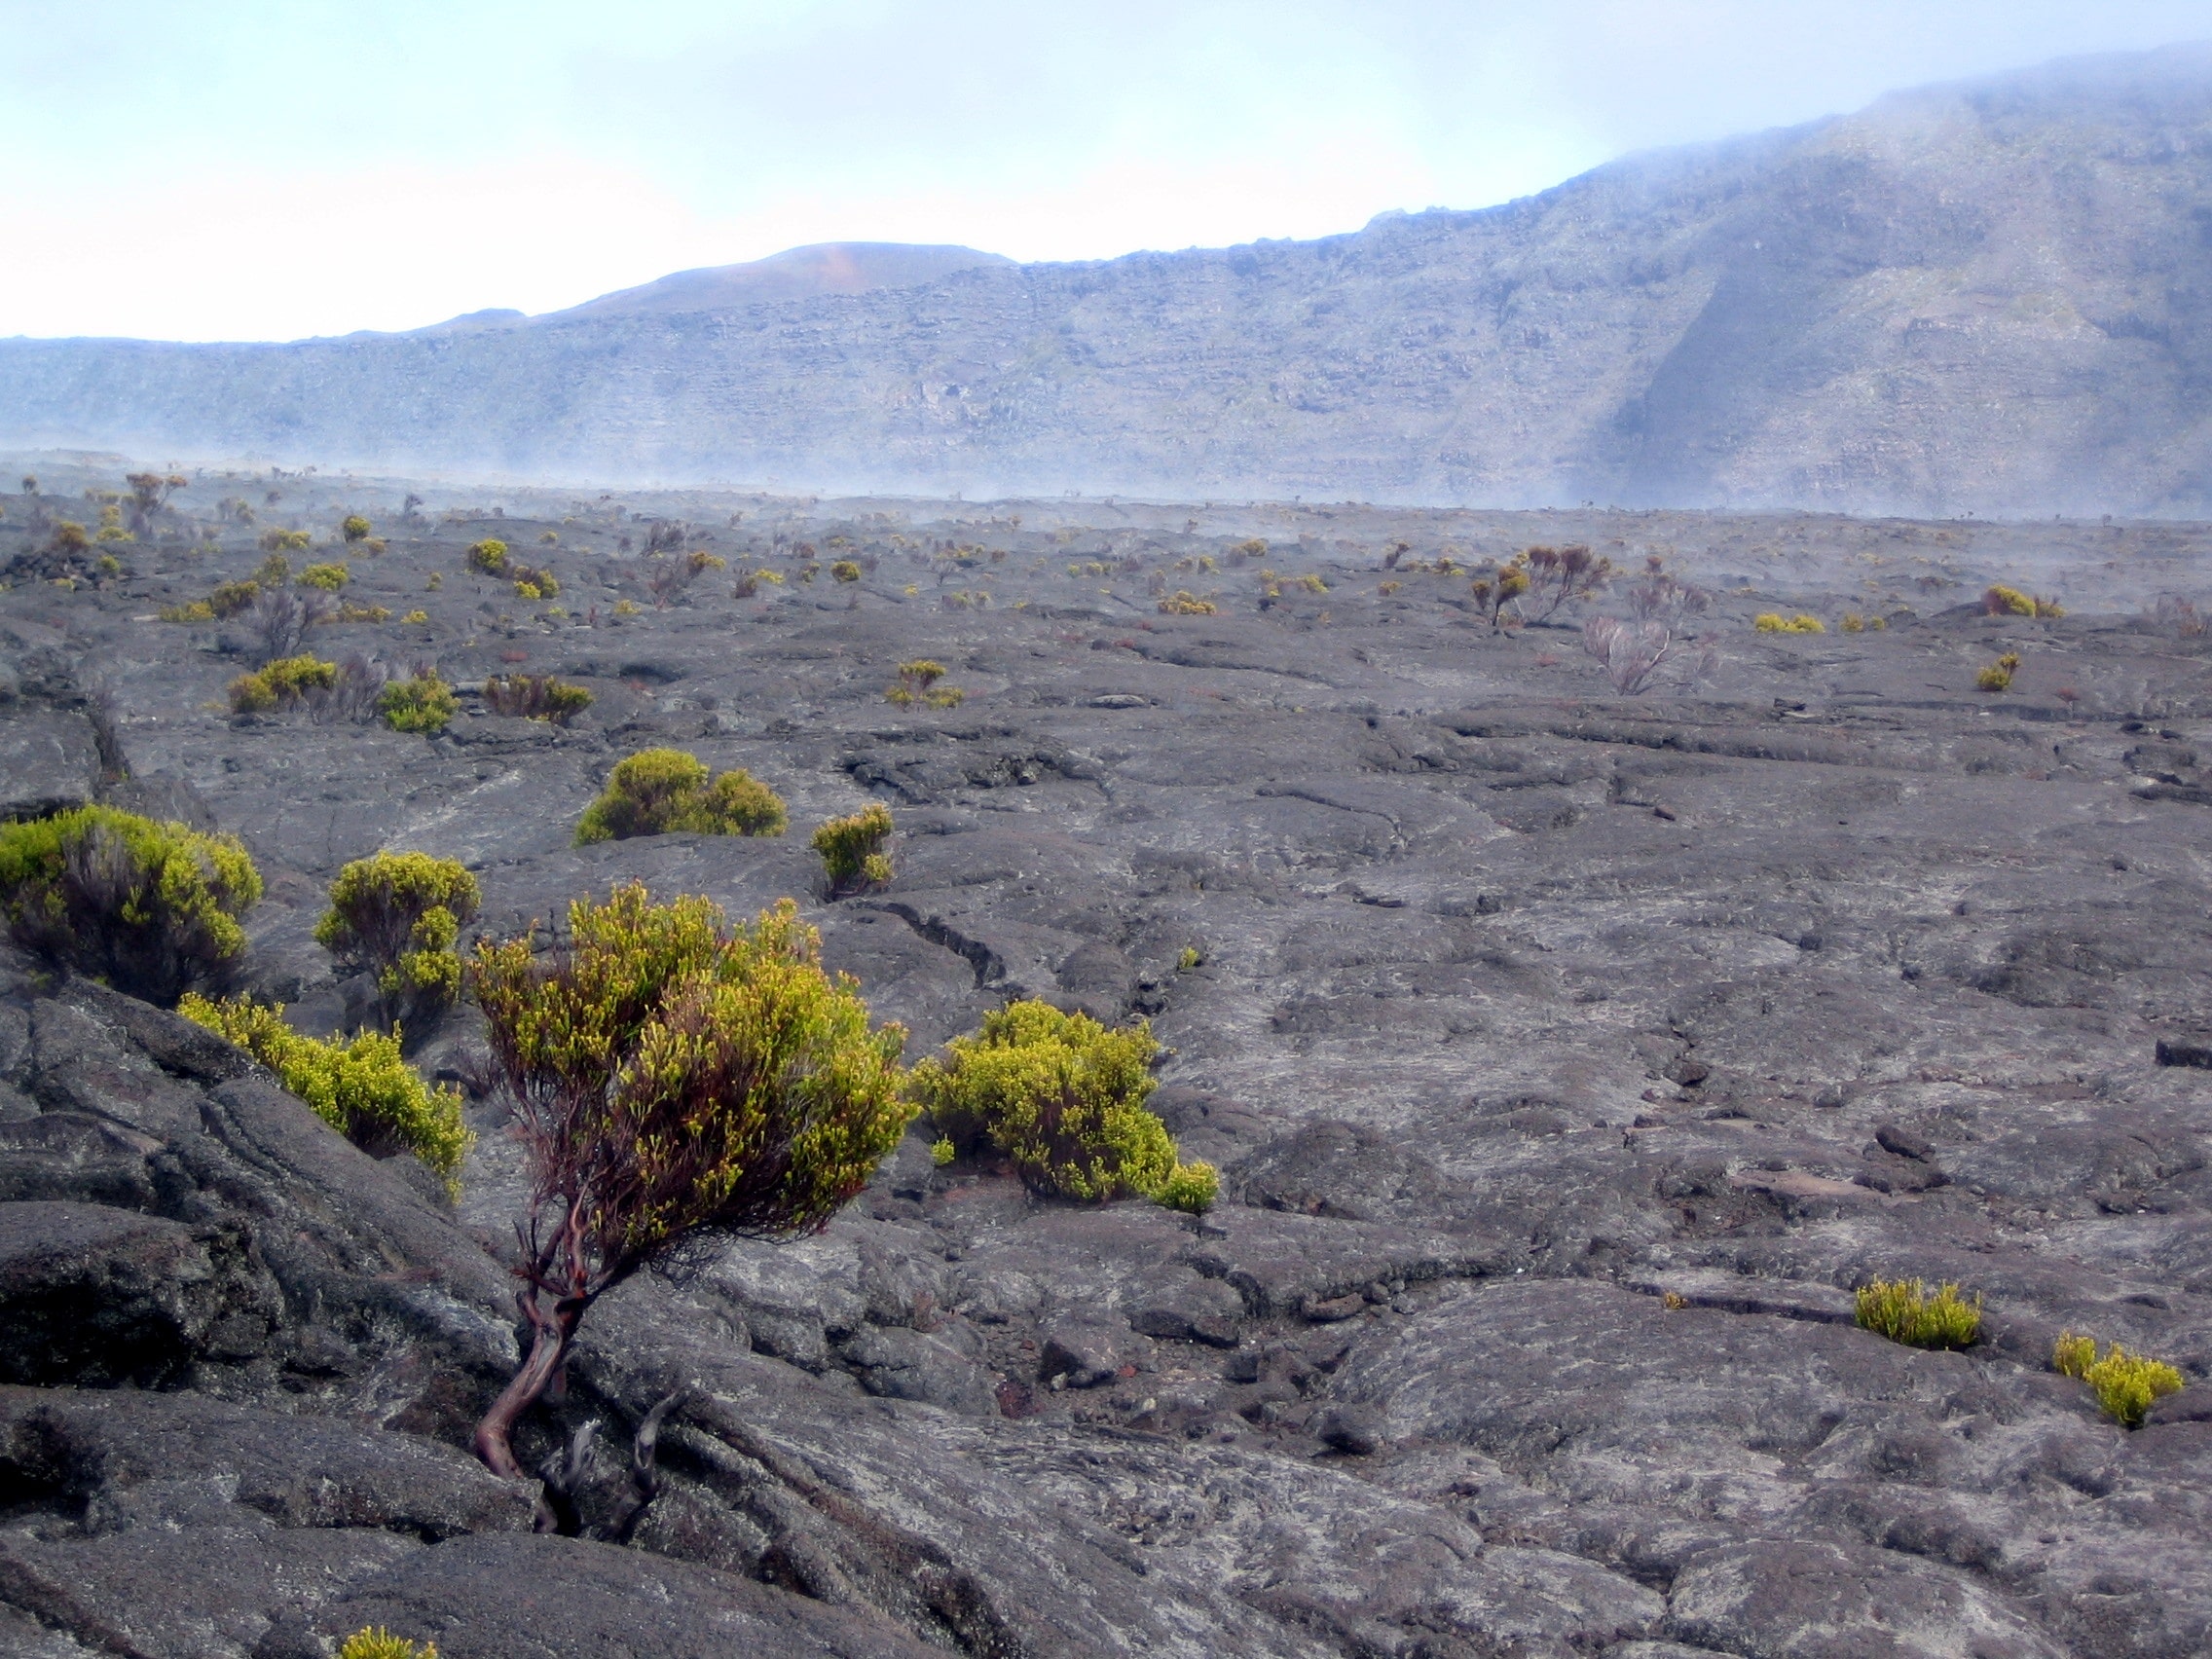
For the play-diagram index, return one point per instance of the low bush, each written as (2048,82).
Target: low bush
(490,556)
(537,697)
(328,577)
(674,1078)
(1064,1098)
(658,790)
(852,849)
(149,908)
(1902,1311)
(1183,603)
(845,571)
(398,915)
(421,702)
(2126,1385)
(230,598)
(2003,601)
(283,541)
(532,582)
(362,1086)
(354,529)
(281,684)
(1998,676)
(1192,1188)
(1773,622)
(377,1643)
(918,683)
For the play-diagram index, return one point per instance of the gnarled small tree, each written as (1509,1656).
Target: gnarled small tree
(674,1078)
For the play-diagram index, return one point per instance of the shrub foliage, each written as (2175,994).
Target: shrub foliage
(656,791)
(422,702)
(362,1086)
(373,1642)
(852,849)
(674,1077)
(150,909)
(2126,1385)
(282,685)
(1904,1310)
(1064,1098)
(398,915)
(537,697)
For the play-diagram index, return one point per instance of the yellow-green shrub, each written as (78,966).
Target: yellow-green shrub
(1183,603)
(1773,622)
(536,697)
(845,571)
(2126,1385)
(422,702)
(1064,1098)
(488,556)
(658,790)
(281,684)
(361,1087)
(918,683)
(852,848)
(1902,1311)
(377,1643)
(354,529)
(286,541)
(328,577)
(2003,601)
(150,909)
(399,914)
(674,1077)
(1998,676)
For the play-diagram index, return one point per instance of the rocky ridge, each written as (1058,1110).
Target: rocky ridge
(1986,297)
(1569,1058)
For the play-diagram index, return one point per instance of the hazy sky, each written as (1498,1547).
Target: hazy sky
(270,168)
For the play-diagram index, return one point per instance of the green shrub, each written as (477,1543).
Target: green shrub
(354,529)
(422,702)
(537,697)
(361,1087)
(1184,603)
(149,908)
(283,541)
(230,598)
(281,684)
(1998,676)
(377,1643)
(845,571)
(674,1078)
(328,577)
(918,683)
(488,556)
(1902,1311)
(852,849)
(658,791)
(1064,1098)
(942,1152)
(532,582)
(2003,601)
(2126,1385)
(399,914)
(1192,1189)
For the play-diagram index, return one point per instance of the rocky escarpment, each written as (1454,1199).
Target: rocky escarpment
(1980,298)
(1570,1060)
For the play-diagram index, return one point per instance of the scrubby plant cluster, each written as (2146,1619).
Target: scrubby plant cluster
(282,685)
(1562,576)
(149,908)
(2003,601)
(536,696)
(328,577)
(658,791)
(1998,676)
(1184,603)
(398,915)
(1804,623)
(422,702)
(362,1086)
(2126,1385)
(1905,1311)
(1063,1098)
(1498,590)
(673,1076)
(852,849)
(918,683)
(373,1642)
(488,557)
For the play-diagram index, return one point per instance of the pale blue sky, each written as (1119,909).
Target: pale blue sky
(270,168)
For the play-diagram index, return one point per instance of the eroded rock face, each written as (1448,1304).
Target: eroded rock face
(1568,1061)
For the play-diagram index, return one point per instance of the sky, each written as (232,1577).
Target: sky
(268,169)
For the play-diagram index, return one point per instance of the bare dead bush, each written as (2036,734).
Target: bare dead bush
(278,619)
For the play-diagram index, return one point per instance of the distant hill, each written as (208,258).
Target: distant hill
(1993,296)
